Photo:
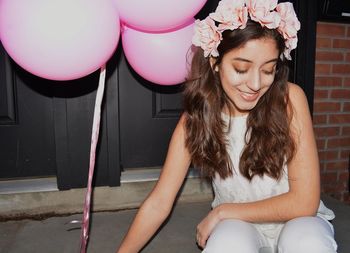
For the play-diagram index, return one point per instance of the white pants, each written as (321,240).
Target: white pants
(300,235)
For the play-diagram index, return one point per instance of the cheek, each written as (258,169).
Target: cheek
(267,80)
(231,78)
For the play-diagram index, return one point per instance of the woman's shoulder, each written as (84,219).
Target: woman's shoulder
(299,106)
(295,91)
(297,97)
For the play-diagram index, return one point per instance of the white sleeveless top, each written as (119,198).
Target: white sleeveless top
(238,189)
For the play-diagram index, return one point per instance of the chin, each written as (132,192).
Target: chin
(243,109)
(246,107)
(242,106)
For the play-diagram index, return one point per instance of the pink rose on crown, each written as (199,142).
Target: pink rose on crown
(289,25)
(207,36)
(262,11)
(290,45)
(231,14)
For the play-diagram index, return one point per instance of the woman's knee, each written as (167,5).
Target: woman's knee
(307,235)
(234,236)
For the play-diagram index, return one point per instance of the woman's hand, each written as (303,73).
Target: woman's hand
(206,226)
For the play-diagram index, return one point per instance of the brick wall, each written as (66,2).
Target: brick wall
(332,107)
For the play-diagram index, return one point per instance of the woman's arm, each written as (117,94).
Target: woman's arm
(303,196)
(158,204)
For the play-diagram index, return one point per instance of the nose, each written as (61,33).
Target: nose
(254,82)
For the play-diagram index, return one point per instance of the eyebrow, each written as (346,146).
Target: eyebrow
(246,60)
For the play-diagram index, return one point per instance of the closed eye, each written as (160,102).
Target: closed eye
(241,71)
(269,72)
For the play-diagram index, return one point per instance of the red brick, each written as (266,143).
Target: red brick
(339,165)
(324,43)
(327,131)
(328,81)
(344,176)
(347,58)
(335,187)
(340,93)
(339,143)
(328,188)
(343,118)
(337,69)
(345,154)
(346,107)
(328,155)
(329,56)
(326,106)
(346,197)
(348,31)
(329,177)
(318,119)
(341,43)
(322,166)
(321,144)
(330,30)
(322,68)
(346,130)
(319,94)
(347,82)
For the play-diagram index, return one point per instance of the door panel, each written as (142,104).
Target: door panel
(148,116)
(7,95)
(26,124)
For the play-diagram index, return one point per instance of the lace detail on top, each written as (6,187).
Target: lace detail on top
(238,189)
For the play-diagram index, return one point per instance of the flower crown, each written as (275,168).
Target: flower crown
(233,14)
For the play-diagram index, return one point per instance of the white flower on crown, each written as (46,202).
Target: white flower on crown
(262,12)
(207,36)
(288,27)
(231,14)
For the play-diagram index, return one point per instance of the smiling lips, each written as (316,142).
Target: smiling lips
(249,97)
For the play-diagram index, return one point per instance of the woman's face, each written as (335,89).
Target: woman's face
(246,73)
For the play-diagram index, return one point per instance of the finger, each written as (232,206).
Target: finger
(203,241)
(198,240)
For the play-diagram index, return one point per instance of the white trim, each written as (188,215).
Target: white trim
(149,174)
(47,184)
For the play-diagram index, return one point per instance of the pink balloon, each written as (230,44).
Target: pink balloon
(159,57)
(157,15)
(59,39)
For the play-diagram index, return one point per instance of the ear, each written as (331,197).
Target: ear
(212,62)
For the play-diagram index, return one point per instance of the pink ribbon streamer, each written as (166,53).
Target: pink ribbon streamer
(94,139)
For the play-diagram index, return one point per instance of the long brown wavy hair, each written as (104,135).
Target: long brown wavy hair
(270,144)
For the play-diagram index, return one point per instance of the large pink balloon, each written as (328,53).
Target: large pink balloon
(59,39)
(162,58)
(157,15)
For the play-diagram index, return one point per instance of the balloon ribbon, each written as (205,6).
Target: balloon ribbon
(94,139)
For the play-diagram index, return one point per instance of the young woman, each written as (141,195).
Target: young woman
(250,131)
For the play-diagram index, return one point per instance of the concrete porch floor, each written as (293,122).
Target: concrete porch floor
(56,235)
